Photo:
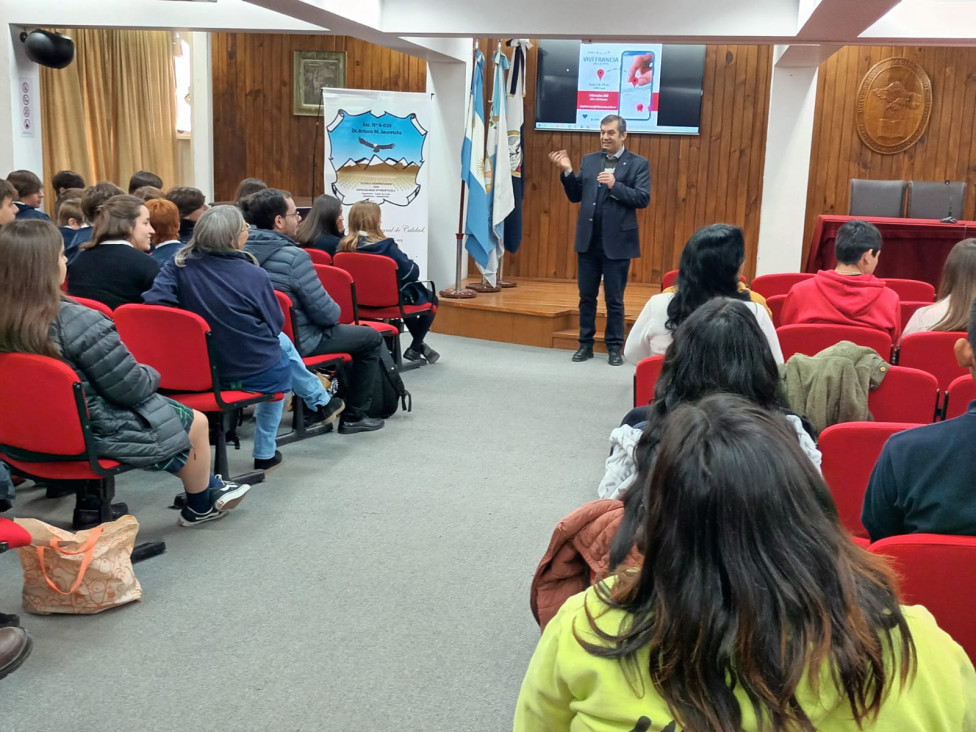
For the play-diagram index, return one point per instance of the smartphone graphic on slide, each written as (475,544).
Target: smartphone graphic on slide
(635,99)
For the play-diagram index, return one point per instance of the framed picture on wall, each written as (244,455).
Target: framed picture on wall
(314,70)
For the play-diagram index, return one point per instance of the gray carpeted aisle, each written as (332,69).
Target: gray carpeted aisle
(374,582)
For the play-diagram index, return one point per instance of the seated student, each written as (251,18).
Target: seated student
(148,193)
(91,202)
(30,194)
(923,480)
(274,220)
(65,179)
(8,205)
(129,421)
(142,179)
(213,278)
(248,186)
(191,204)
(849,294)
(365,235)
(323,227)
(115,267)
(711,264)
(753,610)
(69,219)
(718,349)
(957,290)
(165,220)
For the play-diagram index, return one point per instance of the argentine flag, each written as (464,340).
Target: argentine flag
(477,240)
(498,173)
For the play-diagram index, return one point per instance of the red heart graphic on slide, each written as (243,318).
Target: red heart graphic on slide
(600,73)
(640,107)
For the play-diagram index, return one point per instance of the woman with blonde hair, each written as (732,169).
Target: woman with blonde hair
(130,422)
(956,294)
(363,234)
(114,267)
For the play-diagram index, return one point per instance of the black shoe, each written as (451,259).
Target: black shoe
(583,353)
(9,621)
(430,355)
(615,359)
(328,413)
(15,646)
(89,518)
(5,505)
(363,424)
(268,464)
(412,354)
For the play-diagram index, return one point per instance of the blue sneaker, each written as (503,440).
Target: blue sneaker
(228,494)
(189,517)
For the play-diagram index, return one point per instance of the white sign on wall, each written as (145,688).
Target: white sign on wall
(376,149)
(26,118)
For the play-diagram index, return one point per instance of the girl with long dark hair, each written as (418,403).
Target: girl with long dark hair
(323,227)
(753,610)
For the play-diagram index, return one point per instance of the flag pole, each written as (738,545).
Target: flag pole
(457,292)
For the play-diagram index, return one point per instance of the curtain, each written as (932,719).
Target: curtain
(113,110)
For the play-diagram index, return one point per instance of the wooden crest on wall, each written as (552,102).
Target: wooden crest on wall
(894,103)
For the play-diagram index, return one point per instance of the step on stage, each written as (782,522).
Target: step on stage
(536,313)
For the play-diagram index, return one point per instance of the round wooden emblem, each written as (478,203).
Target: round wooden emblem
(893,105)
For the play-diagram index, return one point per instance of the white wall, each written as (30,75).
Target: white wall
(20,147)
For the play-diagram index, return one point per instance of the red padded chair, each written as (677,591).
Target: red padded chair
(938,572)
(341,288)
(933,351)
(777,284)
(850,450)
(312,363)
(960,393)
(50,436)
(912,289)
(905,395)
(95,305)
(775,305)
(811,338)
(908,308)
(668,279)
(645,378)
(179,345)
(318,256)
(378,290)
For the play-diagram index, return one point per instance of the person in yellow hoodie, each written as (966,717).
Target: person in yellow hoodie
(753,610)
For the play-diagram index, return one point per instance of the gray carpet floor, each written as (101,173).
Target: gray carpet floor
(373,582)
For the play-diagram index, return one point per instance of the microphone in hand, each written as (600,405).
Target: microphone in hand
(949,218)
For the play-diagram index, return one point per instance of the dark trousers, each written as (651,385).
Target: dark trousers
(590,267)
(364,345)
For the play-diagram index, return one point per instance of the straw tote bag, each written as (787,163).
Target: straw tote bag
(80,573)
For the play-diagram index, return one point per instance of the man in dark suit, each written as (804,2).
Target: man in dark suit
(611,186)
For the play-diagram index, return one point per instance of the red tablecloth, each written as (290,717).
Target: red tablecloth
(912,248)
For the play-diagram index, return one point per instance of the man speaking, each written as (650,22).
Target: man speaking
(611,186)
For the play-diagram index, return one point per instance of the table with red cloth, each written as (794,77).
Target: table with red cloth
(913,249)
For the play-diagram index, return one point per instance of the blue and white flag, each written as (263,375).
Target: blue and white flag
(498,173)
(516,117)
(477,228)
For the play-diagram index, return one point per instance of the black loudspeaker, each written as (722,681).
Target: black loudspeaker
(49,49)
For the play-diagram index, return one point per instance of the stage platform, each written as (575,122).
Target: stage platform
(536,313)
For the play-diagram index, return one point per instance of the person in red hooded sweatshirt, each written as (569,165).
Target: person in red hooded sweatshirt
(849,294)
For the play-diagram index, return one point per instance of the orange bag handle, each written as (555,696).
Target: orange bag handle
(88,549)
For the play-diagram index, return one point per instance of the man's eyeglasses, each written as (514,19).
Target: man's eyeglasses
(296,214)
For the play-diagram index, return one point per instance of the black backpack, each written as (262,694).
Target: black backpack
(389,392)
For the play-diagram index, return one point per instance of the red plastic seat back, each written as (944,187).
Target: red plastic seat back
(777,284)
(375,277)
(811,338)
(912,289)
(850,451)
(339,284)
(933,351)
(961,392)
(285,303)
(319,257)
(668,279)
(172,341)
(13,535)
(95,305)
(775,305)
(41,412)
(938,572)
(908,308)
(905,395)
(645,379)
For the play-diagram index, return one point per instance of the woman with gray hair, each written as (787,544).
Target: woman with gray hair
(212,277)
